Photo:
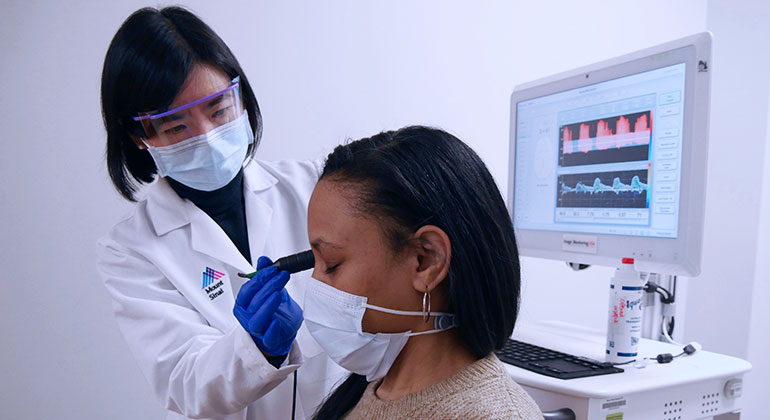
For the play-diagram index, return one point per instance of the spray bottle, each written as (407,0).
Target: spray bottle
(624,322)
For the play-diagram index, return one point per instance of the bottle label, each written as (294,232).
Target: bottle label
(624,326)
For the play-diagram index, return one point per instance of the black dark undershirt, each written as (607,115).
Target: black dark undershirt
(225,206)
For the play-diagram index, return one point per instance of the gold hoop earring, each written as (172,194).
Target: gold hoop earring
(426,304)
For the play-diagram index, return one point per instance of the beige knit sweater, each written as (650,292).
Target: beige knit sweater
(483,390)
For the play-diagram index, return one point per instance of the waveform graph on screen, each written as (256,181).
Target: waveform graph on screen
(616,189)
(621,138)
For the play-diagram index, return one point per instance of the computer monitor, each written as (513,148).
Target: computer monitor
(609,161)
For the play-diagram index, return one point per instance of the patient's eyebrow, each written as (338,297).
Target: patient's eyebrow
(320,242)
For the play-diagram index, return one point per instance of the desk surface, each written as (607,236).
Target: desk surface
(586,342)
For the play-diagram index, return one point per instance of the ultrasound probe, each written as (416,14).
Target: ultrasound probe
(293,263)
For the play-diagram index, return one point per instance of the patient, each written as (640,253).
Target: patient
(417,281)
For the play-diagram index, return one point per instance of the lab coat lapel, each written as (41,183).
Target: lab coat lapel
(165,208)
(258,217)
(259,213)
(208,238)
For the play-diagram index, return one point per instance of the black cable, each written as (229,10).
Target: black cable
(294,396)
(665,295)
(663,357)
(667,298)
(673,296)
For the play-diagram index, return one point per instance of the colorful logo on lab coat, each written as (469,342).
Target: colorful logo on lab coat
(211,288)
(210,275)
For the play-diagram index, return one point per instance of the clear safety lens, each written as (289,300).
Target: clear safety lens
(198,117)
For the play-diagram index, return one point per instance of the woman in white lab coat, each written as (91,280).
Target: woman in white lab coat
(181,116)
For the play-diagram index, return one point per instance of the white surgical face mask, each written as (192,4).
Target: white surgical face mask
(209,161)
(333,318)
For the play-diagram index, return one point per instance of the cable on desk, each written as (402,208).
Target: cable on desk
(666,357)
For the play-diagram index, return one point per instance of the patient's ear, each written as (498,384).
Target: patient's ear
(434,253)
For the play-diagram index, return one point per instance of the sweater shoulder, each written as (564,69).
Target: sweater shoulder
(494,396)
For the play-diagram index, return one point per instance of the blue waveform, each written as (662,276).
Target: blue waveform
(617,187)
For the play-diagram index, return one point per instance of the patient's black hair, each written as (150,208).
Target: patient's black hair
(146,65)
(419,176)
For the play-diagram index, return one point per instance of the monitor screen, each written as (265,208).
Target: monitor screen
(609,161)
(604,158)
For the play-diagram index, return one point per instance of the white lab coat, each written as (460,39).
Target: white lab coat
(198,359)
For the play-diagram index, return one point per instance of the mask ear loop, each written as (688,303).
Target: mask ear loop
(426,313)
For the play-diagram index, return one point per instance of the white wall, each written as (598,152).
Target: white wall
(759,328)
(61,356)
(323,71)
(727,307)
(736,160)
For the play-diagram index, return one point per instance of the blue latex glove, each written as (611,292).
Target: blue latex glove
(266,311)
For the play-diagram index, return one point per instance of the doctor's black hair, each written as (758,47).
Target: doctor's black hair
(419,176)
(145,67)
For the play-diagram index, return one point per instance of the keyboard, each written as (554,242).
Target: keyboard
(552,363)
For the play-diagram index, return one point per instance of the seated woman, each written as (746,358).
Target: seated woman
(417,281)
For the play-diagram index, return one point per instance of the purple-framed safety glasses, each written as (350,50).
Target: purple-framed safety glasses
(194,118)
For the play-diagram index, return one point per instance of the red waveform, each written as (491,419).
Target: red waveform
(605,138)
(585,131)
(614,141)
(603,129)
(641,123)
(623,126)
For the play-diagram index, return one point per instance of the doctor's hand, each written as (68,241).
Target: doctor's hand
(266,311)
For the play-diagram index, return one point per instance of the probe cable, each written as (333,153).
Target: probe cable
(664,357)
(294,396)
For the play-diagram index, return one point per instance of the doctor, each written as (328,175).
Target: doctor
(177,107)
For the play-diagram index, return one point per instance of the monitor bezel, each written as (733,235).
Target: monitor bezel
(677,256)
